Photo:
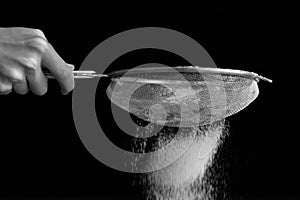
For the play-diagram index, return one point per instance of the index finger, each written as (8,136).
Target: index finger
(62,71)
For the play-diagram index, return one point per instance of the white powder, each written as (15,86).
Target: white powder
(177,180)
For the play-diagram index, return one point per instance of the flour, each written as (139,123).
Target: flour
(183,179)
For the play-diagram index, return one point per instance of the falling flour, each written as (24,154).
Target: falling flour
(184,178)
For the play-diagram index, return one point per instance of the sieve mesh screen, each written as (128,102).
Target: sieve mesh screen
(187,96)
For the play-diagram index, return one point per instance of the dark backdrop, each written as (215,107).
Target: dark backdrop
(40,151)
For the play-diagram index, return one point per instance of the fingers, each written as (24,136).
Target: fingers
(32,62)
(5,86)
(21,87)
(37,82)
(62,71)
(14,76)
(11,71)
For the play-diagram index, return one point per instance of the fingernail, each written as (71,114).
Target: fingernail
(6,92)
(71,66)
(64,92)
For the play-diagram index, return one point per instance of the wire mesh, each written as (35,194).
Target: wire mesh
(183,96)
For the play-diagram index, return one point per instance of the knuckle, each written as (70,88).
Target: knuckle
(32,62)
(38,43)
(17,76)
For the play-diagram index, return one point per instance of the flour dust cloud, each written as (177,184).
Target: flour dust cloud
(196,175)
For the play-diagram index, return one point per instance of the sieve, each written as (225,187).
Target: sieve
(179,96)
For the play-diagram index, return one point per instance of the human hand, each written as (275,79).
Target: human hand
(22,53)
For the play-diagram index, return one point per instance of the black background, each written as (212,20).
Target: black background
(40,151)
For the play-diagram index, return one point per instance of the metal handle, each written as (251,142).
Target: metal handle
(77,74)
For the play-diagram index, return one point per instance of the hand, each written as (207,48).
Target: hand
(22,52)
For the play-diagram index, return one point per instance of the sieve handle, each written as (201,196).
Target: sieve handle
(77,74)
